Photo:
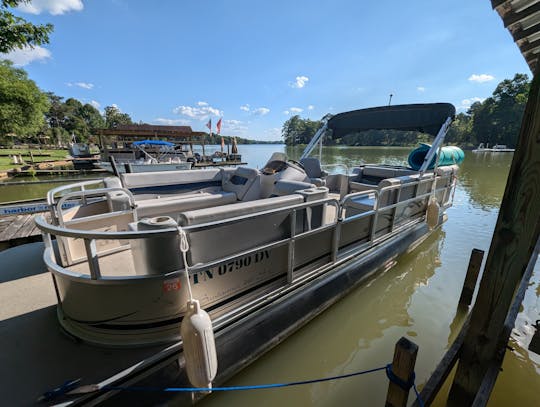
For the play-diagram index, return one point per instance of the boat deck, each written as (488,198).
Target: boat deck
(31,350)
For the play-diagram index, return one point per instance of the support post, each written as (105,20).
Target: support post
(475,262)
(515,236)
(402,367)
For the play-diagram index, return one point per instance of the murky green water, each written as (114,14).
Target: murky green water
(417,298)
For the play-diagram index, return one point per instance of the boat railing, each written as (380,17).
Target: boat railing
(89,237)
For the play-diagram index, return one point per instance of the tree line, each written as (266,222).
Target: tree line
(30,115)
(495,120)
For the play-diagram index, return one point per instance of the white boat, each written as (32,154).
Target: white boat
(167,158)
(268,251)
(497,148)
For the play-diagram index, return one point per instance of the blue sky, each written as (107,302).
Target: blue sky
(257,63)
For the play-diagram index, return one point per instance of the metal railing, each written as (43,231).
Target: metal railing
(89,237)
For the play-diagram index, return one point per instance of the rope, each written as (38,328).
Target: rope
(405,385)
(184,247)
(242,388)
(388,368)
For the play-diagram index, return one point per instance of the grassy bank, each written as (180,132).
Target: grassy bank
(6,163)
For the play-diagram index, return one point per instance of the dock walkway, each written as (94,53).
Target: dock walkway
(19,229)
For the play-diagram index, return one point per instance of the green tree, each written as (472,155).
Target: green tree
(16,32)
(22,103)
(114,117)
(299,131)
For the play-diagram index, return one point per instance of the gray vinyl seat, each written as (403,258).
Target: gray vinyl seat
(313,169)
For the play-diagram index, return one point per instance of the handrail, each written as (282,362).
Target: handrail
(51,193)
(88,193)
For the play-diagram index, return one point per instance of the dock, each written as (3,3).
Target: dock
(19,229)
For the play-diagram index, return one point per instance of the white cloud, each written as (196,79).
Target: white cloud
(200,112)
(95,104)
(84,85)
(261,111)
(234,126)
(172,122)
(293,110)
(22,57)
(420,89)
(481,78)
(300,82)
(54,7)
(466,103)
(245,108)
(310,107)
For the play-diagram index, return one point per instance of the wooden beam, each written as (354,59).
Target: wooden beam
(514,239)
(529,46)
(515,17)
(475,262)
(403,367)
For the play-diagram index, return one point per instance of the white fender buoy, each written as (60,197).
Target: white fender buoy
(432,213)
(199,345)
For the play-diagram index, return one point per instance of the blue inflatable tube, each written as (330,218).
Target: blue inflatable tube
(449,155)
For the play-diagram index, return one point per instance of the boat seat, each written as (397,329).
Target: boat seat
(225,239)
(244,182)
(370,177)
(173,206)
(313,169)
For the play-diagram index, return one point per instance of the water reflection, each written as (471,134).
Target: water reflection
(356,333)
(483,176)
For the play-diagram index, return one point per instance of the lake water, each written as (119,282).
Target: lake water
(417,298)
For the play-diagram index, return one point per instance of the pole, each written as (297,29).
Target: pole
(403,367)
(390,100)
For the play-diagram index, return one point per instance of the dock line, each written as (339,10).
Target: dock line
(92,388)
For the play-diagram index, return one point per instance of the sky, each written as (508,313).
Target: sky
(255,63)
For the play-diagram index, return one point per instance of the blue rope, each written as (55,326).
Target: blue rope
(69,385)
(405,385)
(240,388)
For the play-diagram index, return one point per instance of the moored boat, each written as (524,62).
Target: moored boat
(268,249)
(497,148)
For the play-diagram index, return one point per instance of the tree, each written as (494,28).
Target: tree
(299,131)
(114,117)
(16,32)
(22,104)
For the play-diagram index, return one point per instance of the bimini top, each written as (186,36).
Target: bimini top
(153,143)
(425,118)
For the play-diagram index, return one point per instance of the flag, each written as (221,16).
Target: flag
(209,124)
(218,126)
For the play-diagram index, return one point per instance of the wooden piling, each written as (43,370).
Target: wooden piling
(514,239)
(475,262)
(403,367)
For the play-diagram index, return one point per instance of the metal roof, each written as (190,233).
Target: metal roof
(522,18)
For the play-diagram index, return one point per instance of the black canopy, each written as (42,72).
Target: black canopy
(425,118)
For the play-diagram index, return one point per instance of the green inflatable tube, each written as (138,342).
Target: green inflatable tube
(449,155)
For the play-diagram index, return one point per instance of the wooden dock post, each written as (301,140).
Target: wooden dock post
(514,239)
(475,262)
(402,367)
